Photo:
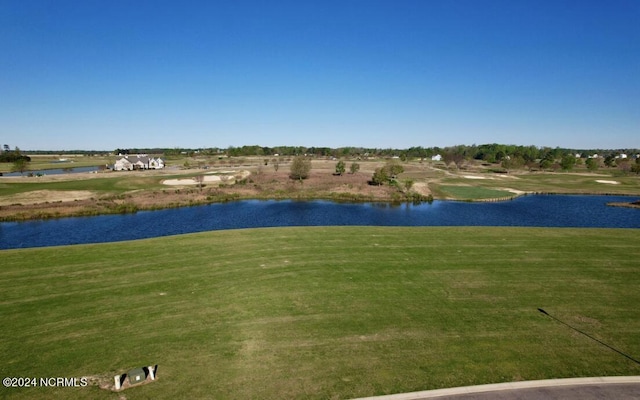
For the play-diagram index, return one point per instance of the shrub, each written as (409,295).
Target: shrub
(300,168)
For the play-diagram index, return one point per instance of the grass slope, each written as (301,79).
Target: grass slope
(473,192)
(327,312)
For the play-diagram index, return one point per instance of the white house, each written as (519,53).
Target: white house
(437,157)
(156,163)
(140,161)
(123,164)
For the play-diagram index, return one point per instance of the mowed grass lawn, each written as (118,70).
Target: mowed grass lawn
(326,312)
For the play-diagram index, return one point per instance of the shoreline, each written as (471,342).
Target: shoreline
(635,204)
(124,204)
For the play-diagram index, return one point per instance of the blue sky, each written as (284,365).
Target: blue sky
(112,74)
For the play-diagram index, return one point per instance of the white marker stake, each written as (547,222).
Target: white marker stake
(117,380)
(153,377)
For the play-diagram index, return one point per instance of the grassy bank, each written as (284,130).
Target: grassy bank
(321,312)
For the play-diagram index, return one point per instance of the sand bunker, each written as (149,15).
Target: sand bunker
(209,178)
(473,177)
(190,181)
(516,191)
(608,182)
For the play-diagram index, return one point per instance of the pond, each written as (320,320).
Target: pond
(57,171)
(538,210)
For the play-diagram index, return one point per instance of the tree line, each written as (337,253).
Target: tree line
(491,153)
(11,156)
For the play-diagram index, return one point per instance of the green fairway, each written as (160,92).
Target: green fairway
(113,183)
(326,312)
(544,182)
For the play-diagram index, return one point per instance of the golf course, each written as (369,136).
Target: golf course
(320,200)
(322,312)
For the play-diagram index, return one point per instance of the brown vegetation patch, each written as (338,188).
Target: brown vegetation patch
(44,196)
(422,188)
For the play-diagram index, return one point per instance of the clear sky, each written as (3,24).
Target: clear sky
(106,74)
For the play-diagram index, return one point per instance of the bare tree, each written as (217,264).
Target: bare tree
(199,180)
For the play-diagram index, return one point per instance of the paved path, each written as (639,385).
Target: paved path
(618,387)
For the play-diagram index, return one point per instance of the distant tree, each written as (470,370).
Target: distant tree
(592,164)
(457,155)
(610,160)
(518,161)
(623,165)
(340,168)
(545,163)
(447,158)
(567,162)
(514,162)
(549,156)
(12,156)
(380,176)
(458,160)
(19,165)
(300,168)
(635,168)
(531,165)
(388,173)
(355,167)
(393,170)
